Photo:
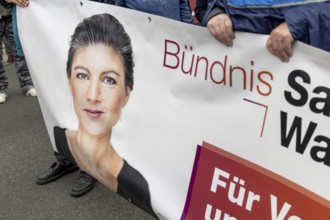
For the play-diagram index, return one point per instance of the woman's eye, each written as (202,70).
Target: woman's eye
(82,76)
(108,80)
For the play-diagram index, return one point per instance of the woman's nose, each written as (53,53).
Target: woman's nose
(93,93)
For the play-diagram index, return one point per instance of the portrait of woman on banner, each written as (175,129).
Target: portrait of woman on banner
(100,77)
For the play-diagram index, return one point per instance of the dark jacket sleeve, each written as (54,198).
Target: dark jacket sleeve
(5,4)
(208,11)
(120,3)
(200,9)
(111,2)
(310,23)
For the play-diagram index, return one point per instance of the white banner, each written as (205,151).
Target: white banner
(192,91)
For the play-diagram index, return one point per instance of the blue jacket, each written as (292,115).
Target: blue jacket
(175,9)
(308,21)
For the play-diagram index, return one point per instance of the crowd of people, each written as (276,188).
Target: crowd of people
(285,21)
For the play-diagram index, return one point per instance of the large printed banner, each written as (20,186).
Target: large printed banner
(216,132)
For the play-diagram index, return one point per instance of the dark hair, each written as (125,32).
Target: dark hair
(104,29)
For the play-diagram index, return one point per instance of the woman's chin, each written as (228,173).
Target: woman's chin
(96,130)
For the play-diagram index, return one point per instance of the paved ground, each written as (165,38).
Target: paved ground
(25,150)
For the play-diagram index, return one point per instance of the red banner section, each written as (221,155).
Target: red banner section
(224,186)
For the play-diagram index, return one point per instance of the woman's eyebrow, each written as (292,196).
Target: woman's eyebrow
(102,73)
(110,71)
(81,67)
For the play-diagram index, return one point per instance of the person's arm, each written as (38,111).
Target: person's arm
(110,2)
(216,20)
(308,23)
(312,22)
(221,28)
(21,3)
(185,12)
(100,1)
(5,4)
(120,3)
(280,42)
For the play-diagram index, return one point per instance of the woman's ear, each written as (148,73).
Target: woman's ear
(128,93)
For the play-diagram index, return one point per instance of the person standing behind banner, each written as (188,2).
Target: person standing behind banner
(175,9)
(285,21)
(8,51)
(22,71)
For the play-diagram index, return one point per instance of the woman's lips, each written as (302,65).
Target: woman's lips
(93,113)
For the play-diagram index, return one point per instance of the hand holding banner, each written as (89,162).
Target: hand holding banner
(189,90)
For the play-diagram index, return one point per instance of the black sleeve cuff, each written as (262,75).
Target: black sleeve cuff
(215,11)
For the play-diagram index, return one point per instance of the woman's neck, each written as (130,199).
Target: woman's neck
(95,155)
(93,144)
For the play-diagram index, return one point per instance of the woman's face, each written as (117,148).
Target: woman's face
(97,85)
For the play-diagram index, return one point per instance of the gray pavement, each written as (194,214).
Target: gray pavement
(25,150)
